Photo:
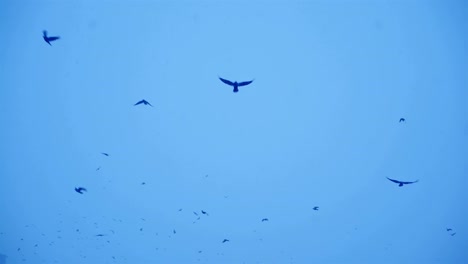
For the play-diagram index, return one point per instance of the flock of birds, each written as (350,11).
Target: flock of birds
(235,86)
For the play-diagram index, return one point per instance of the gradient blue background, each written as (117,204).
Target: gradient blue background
(318,127)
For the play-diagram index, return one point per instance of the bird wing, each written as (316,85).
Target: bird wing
(44,32)
(139,102)
(245,83)
(52,38)
(410,182)
(149,104)
(226,81)
(394,180)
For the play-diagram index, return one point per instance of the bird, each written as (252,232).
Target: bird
(143,102)
(195,213)
(100,235)
(315,208)
(47,38)
(80,190)
(235,84)
(225,240)
(173,231)
(105,154)
(449,229)
(264,219)
(401,183)
(205,213)
(402,120)
(453,234)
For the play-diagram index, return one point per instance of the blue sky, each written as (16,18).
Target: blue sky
(317,127)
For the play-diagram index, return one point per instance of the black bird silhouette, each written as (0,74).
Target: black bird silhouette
(173,231)
(143,102)
(264,219)
(100,235)
(401,183)
(49,39)
(80,190)
(235,84)
(453,234)
(205,213)
(315,208)
(402,120)
(449,229)
(225,240)
(195,213)
(105,154)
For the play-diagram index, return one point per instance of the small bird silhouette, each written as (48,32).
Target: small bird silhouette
(80,190)
(315,208)
(449,229)
(236,85)
(143,102)
(402,120)
(47,38)
(195,213)
(173,231)
(225,240)
(105,154)
(100,235)
(453,234)
(401,183)
(205,213)
(264,219)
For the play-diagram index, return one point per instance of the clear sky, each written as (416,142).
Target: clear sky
(318,126)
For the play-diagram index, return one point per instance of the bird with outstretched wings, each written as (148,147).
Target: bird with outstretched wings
(143,102)
(401,183)
(49,39)
(236,85)
(402,120)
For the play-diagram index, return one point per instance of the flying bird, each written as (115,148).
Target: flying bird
(315,208)
(143,102)
(225,240)
(236,85)
(80,190)
(402,120)
(449,229)
(105,154)
(401,183)
(49,39)
(100,235)
(264,219)
(205,213)
(453,234)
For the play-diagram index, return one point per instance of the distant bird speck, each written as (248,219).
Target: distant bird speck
(143,102)
(205,213)
(100,235)
(453,234)
(449,229)
(315,208)
(173,231)
(236,85)
(105,154)
(80,190)
(143,183)
(195,213)
(225,240)
(402,120)
(264,219)
(49,39)
(98,168)
(401,183)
